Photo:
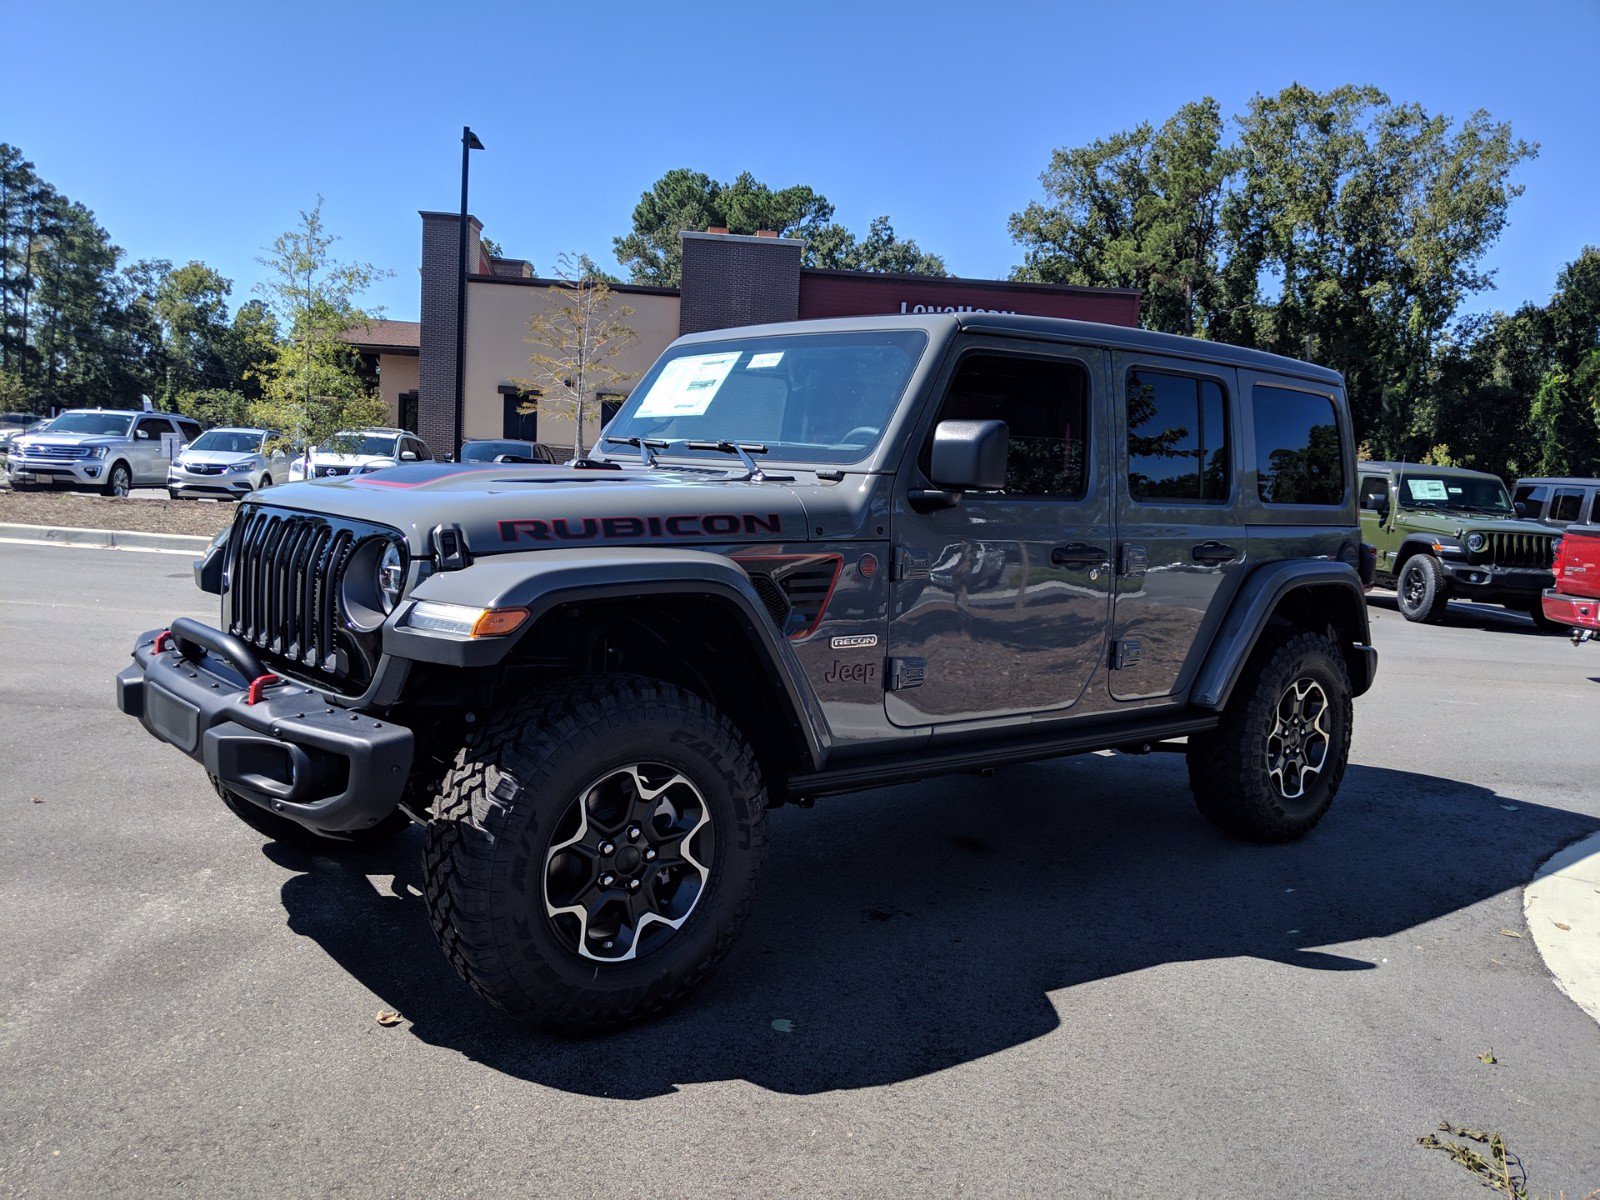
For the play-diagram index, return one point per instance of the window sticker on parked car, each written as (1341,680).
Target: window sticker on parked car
(686,386)
(757,361)
(1426,489)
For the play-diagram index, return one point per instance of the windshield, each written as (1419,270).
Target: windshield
(807,397)
(489,451)
(1453,493)
(370,444)
(106,424)
(227,441)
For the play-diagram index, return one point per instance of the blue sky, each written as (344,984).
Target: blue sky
(197,131)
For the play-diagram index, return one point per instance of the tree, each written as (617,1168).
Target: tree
(312,385)
(691,200)
(1140,209)
(576,338)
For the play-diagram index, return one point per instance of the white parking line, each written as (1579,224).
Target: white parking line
(9,541)
(1562,907)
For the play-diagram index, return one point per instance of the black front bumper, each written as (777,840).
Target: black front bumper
(1497,585)
(291,752)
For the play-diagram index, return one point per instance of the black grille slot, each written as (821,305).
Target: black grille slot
(794,590)
(772,596)
(283,595)
(1522,550)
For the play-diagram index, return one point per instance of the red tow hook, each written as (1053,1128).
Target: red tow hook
(257,685)
(162,639)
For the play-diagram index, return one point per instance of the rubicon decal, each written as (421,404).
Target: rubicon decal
(687,525)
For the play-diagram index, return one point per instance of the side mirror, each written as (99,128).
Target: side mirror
(408,456)
(144,435)
(1522,508)
(970,456)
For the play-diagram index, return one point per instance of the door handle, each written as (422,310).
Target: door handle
(1213,552)
(1080,554)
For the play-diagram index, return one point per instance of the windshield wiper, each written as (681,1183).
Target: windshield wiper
(752,470)
(645,446)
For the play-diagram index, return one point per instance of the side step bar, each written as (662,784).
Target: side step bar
(970,756)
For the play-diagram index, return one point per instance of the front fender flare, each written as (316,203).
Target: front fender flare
(1252,610)
(542,580)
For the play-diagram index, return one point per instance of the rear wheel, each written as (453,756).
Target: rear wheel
(1422,591)
(120,481)
(292,833)
(1270,770)
(595,850)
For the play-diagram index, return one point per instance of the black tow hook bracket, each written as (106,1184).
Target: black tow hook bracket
(450,548)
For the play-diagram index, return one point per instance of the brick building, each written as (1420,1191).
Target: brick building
(728,280)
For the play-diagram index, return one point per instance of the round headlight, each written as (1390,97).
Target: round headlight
(1476,542)
(391,576)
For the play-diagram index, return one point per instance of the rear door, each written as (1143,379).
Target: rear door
(1182,543)
(1000,602)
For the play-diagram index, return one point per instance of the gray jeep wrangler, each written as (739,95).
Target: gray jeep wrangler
(805,559)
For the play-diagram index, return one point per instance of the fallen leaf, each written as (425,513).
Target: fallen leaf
(783,1025)
(1509,933)
(1488,1058)
(1562,925)
(387,1017)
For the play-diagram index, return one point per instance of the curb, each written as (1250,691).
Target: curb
(103,539)
(1562,908)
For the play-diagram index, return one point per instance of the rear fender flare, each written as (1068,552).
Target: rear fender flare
(1253,608)
(544,580)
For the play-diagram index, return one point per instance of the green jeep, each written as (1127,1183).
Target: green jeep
(1443,533)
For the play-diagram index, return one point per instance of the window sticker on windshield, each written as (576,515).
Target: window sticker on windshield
(757,361)
(1426,489)
(686,386)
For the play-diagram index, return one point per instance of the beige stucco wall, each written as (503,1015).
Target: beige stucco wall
(497,352)
(396,373)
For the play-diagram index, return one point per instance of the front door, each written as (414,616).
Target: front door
(1182,549)
(155,444)
(1377,519)
(1000,602)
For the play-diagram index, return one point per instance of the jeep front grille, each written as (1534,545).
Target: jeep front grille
(1522,550)
(284,575)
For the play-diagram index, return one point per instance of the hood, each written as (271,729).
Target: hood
(214,458)
(67,439)
(1456,523)
(327,458)
(504,507)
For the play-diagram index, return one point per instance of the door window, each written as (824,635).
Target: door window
(1594,510)
(1298,456)
(1177,439)
(1533,497)
(153,428)
(1567,505)
(1045,405)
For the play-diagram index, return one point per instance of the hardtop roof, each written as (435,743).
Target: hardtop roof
(942,326)
(1560,480)
(1376,465)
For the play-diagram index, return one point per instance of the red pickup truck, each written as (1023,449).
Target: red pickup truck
(1575,599)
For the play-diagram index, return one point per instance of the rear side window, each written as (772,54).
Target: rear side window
(1567,506)
(1298,457)
(1594,510)
(1177,439)
(1045,405)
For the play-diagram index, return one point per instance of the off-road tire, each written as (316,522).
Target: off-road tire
(498,811)
(1421,591)
(1535,610)
(292,833)
(120,476)
(1229,771)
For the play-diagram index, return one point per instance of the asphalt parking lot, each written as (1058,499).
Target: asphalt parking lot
(1057,980)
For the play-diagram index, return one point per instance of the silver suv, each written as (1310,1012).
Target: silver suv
(113,449)
(227,462)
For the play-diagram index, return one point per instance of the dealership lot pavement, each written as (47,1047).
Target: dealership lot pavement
(1055,980)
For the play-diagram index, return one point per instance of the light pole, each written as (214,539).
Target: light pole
(469,143)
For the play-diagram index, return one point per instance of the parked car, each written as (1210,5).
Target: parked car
(506,450)
(1445,533)
(358,452)
(591,682)
(1559,501)
(227,462)
(14,423)
(114,450)
(1574,601)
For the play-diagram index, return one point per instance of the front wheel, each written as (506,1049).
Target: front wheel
(120,481)
(1270,769)
(594,851)
(1422,592)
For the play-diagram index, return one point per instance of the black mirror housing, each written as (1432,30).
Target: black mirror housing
(970,455)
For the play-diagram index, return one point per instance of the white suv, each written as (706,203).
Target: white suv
(227,462)
(359,451)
